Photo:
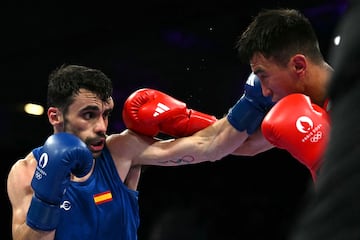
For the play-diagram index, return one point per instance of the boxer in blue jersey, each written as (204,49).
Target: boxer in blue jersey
(82,183)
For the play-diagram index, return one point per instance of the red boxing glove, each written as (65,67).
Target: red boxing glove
(150,112)
(300,127)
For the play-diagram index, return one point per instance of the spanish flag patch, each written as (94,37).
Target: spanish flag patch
(102,197)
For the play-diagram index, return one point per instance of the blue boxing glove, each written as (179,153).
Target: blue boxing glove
(62,154)
(249,111)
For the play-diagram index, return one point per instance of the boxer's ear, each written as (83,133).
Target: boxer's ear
(55,116)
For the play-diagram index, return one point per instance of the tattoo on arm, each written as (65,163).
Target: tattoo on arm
(187,159)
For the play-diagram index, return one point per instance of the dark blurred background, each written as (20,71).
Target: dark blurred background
(184,48)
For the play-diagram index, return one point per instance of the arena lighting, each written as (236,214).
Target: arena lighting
(34,109)
(337,40)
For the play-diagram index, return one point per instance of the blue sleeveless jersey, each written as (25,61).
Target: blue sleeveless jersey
(101,207)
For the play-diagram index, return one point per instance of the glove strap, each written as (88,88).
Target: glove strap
(42,216)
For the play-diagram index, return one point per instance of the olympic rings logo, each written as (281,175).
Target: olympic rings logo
(316,137)
(38,175)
